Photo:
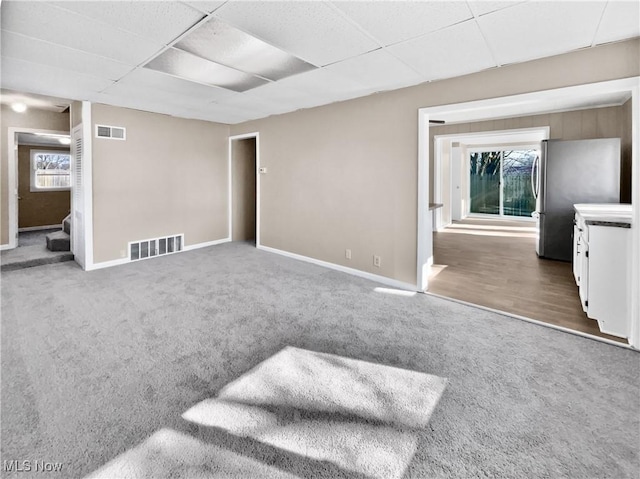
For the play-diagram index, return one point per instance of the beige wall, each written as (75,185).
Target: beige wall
(244,189)
(607,122)
(345,175)
(32,118)
(170,176)
(76,113)
(40,208)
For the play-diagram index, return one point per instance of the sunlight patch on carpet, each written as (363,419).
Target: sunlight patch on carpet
(358,415)
(171,454)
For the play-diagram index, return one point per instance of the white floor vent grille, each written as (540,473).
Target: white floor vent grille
(155,247)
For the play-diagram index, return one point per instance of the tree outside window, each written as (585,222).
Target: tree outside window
(50,170)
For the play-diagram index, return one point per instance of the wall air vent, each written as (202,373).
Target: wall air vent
(155,247)
(111,132)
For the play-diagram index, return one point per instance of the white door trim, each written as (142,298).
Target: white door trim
(487,109)
(12,179)
(425,226)
(244,136)
(634,333)
(87,184)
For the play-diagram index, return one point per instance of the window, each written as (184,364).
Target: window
(500,182)
(50,170)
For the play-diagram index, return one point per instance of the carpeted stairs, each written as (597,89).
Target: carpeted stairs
(60,240)
(32,252)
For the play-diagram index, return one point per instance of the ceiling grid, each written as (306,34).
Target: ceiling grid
(233,61)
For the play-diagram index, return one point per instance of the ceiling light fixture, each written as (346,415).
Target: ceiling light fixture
(191,67)
(19,107)
(52,135)
(221,43)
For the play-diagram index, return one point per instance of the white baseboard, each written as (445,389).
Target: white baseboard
(344,269)
(121,261)
(204,245)
(38,228)
(107,264)
(5,247)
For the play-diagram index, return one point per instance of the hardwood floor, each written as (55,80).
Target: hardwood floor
(493,263)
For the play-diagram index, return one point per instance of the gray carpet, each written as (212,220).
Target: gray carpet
(32,251)
(37,237)
(97,364)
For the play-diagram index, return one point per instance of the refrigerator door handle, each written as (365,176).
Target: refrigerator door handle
(534,184)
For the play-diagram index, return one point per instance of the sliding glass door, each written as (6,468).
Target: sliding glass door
(500,182)
(484,182)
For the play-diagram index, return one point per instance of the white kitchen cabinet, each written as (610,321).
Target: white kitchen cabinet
(602,247)
(608,278)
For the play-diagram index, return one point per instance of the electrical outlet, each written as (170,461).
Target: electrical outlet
(377,261)
(347,254)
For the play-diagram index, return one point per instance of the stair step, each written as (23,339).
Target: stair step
(66,225)
(58,241)
(20,262)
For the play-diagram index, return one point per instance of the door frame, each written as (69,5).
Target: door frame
(244,136)
(12,179)
(489,137)
(491,109)
(501,149)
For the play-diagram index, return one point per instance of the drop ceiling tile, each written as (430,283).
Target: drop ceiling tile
(482,7)
(146,78)
(550,28)
(187,66)
(621,20)
(254,103)
(378,70)
(46,22)
(312,31)
(323,82)
(37,78)
(226,114)
(205,7)
(454,51)
(288,98)
(276,92)
(133,103)
(224,44)
(392,22)
(158,21)
(38,51)
(151,95)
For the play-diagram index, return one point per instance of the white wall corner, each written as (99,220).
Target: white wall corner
(87,178)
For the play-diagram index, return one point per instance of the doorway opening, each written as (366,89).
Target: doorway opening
(40,225)
(486,173)
(243,183)
(496,110)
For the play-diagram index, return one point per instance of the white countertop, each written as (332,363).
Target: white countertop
(605,212)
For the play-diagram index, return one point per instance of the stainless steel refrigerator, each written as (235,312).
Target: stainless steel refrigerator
(570,172)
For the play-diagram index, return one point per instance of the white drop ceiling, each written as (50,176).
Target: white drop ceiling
(240,60)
